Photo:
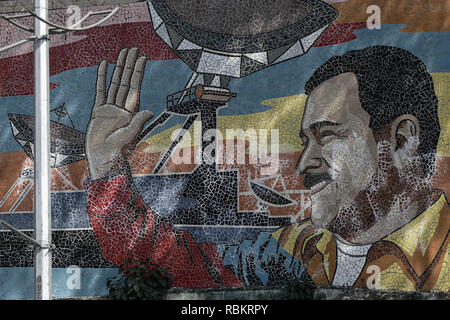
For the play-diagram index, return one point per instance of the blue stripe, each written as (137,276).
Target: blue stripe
(18,283)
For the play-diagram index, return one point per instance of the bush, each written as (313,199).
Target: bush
(300,289)
(139,280)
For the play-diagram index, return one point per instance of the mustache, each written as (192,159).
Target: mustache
(314,178)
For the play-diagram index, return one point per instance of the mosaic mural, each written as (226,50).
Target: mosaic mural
(243,143)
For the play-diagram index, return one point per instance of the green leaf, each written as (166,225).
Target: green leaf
(163,282)
(138,279)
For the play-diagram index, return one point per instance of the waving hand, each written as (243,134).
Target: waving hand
(115,121)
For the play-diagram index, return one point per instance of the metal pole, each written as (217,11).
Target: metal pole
(19,233)
(42,256)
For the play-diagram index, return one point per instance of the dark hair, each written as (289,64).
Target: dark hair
(391,82)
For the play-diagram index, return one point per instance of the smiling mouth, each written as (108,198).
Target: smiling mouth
(315,182)
(318,186)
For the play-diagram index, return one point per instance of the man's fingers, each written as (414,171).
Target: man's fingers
(100,94)
(133,97)
(126,77)
(117,76)
(127,134)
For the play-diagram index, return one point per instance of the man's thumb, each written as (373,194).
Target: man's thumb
(141,118)
(139,121)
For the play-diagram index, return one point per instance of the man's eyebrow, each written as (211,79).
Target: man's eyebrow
(320,124)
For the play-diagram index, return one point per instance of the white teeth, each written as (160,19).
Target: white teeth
(318,186)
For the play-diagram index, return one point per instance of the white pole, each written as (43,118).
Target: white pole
(42,257)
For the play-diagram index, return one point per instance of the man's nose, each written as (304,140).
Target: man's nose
(311,158)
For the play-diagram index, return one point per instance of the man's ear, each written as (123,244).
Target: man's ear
(404,138)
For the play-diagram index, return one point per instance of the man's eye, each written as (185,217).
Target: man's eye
(326,133)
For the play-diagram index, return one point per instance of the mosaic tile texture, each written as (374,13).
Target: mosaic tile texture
(240,143)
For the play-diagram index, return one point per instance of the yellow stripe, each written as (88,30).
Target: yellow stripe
(441,82)
(286,116)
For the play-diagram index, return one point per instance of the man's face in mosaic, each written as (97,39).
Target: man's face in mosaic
(340,152)
(363,184)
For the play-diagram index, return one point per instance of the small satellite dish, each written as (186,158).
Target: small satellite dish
(66,143)
(269,195)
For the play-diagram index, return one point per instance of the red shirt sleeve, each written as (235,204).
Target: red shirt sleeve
(125,226)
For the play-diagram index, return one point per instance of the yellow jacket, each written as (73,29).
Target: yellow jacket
(414,257)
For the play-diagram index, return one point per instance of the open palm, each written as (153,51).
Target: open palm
(115,120)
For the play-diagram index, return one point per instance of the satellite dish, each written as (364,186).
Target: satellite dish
(66,143)
(269,195)
(236,38)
